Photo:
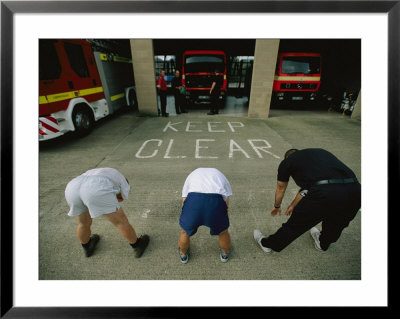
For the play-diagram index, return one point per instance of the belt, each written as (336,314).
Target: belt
(336,181)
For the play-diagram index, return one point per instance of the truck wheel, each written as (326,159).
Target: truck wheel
(133,103)
(83,121)
(223,102)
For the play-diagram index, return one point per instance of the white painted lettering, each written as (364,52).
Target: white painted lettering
(171,141)
(210,127)
(169,125)
(262,148)
(144,145)
(237,148)
(188,127)
(231,125)
(198,147)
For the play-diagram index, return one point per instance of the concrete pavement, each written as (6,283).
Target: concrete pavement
(156,155)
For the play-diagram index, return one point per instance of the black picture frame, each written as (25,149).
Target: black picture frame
(9,8)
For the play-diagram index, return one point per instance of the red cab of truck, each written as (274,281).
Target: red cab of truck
(198,70)
(78,85)
(297,76)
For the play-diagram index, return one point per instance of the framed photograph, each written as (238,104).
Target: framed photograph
(27,291)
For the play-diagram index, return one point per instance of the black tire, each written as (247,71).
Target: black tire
(223,102)
(133,103)
(83,120)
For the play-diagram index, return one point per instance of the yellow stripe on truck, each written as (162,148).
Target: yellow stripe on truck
(116,97)
(121,59)
(68,95)
(297,78)
(115,58)
(42,100)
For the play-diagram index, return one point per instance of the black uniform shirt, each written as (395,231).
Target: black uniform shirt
(310,165)
(176,82)
(218,83)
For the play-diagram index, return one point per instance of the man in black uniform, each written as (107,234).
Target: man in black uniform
(214,93)
(176,84)
(329,192)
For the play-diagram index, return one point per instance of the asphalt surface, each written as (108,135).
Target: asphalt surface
(156,155)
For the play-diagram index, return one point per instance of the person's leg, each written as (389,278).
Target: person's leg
(163,99)
(216,104)
(349,200)
(183,242)
(306,214)
(177,104)
(224,241)
(183,104)
(212,101)
(119,220)
(83,230)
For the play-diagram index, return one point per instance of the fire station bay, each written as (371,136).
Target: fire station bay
(82,82)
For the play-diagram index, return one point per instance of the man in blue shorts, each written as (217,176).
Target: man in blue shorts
(205,200)
(98,192)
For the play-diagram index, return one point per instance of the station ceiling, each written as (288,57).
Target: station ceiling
(233,47)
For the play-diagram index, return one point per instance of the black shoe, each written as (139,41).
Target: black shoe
(210,113)
(143,242)
(178,112)
(184,111)
(94,239)
(165,114)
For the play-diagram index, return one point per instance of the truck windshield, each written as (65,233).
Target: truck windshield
(204,63)
(301,65)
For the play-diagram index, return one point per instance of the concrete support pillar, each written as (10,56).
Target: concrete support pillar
(144,71)
(265,55)
(356,115)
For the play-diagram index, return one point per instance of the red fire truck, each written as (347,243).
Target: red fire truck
(198,71)
(79,85)
(297,76)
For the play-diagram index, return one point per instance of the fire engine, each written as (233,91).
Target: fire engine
(297,76)
(198,71)
(78,85)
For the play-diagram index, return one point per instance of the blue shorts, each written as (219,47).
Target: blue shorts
(204,209)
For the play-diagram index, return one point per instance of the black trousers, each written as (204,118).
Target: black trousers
(335,205)
(179,102)
(214,99)
(163,101)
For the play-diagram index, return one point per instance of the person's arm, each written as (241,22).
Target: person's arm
(119,197)
(183,200)
(279,193)
(212,86)
(295,201)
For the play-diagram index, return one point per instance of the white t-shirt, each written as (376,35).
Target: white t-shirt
(207,180)
(116,178)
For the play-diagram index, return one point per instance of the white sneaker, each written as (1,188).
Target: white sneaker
(314,232)
(258,236)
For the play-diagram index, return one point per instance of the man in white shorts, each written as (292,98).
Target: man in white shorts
(98,192)
(205,199)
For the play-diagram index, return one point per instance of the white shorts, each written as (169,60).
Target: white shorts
(95,194)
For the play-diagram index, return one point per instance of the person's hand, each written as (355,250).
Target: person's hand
(275,211)
(119,197)
(289,210)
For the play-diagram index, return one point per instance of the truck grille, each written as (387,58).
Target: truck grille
(199,81)
(298,86)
